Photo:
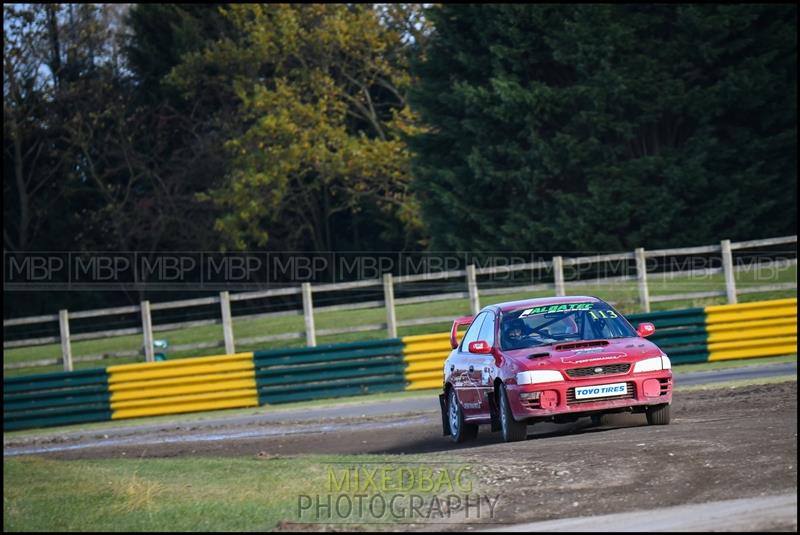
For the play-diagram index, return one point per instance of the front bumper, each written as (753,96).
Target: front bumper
(558,398)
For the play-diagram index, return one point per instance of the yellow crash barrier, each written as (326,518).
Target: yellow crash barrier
(424,356)
(759,329)
(184,385)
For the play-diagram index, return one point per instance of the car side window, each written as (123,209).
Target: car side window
(472,332)
(487,330)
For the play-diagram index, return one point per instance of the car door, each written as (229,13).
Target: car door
(461,363)
(477,371)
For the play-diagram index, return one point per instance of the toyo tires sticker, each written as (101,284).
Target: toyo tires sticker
(600,391)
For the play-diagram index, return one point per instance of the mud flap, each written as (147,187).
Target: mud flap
(494,412)
(443,406)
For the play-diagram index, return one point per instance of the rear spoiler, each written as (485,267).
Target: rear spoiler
(463,320)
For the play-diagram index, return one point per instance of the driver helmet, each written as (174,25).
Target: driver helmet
(516,329)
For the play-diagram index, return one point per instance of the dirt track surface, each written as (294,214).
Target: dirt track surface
(721,444)
(768,513)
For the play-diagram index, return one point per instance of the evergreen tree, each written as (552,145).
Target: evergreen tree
(598,127)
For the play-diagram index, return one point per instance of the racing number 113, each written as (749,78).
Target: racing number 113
(602,314)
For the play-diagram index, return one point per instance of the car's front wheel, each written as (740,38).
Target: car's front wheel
(459,430)
(513,430)
(658,414)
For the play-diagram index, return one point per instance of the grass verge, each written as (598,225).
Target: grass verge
(735,363)
(208,494)
(739,383)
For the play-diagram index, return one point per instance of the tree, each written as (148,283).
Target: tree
(89,163)
(30,160)
(606,127)
(182,137)
(161,34)
(318,92)
(51,53)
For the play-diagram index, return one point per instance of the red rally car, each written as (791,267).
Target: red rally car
(553,359)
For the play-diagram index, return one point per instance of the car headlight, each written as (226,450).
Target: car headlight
(538,376)
(653,364)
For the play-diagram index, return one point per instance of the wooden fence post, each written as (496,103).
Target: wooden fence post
(66,348)
(147,330)
(308,313)
(558,273)
(472,287)
(641,277)
(227,322)
(388,300)
(727,266)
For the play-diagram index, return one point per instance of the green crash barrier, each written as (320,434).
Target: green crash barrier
(60,398)
(332,370)
(681,334)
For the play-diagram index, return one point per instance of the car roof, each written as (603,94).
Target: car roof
(542,301)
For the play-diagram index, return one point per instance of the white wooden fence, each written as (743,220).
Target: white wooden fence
(307,291)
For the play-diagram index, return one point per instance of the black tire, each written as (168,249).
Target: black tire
(597,420)
(658,415)
(459,430)
(513,431)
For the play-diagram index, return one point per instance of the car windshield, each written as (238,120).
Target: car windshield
(549,324)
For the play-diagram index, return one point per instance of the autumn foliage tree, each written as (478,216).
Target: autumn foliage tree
(317,163)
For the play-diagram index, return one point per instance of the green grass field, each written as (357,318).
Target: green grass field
(625,294)
(190,494)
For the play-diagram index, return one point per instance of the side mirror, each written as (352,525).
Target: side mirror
(645,329)
(480,347)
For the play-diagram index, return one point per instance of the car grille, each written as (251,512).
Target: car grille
(609,369)
(630,395)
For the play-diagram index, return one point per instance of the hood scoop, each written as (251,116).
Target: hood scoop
(538,355)
(581,345)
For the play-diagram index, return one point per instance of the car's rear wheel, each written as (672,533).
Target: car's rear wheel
(658,414)
(459,430)
(513,430)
